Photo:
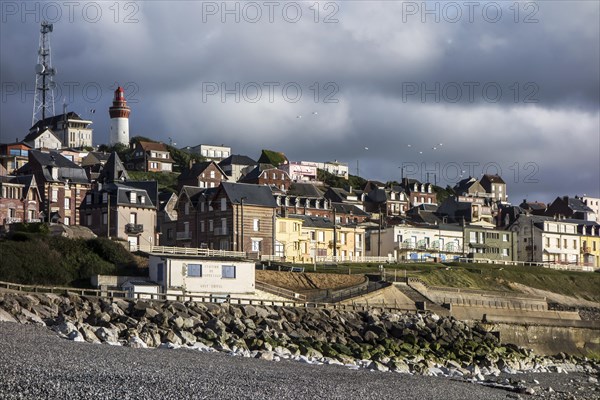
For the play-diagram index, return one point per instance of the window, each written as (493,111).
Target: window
(201,226)
(67,203)
(88,219)
(67,221)
(132,197)
(212,174)
(505,252)
(143,199)
(169,233)
(186,208)
(505,237)
(54,195)
(104,197)
(104,218)
(210,225)
(228,271)
(321,235)
(256,224)
(88,198)
(574,243)
(194,270)
(472,237)
(255,245)
(223,204)
(547,242)
(133,218)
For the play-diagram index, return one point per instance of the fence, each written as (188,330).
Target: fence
(288,294)
(564,267)
(198,298)
(192,251)
(63,290)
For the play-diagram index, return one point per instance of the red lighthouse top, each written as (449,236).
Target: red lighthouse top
(119,108)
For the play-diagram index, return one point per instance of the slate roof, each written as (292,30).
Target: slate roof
(237,159)
(66,169)
(377,196)
(309,221)
(30,138)
(121,193)
(197,169)
(257,195)
(304,190)
(493,178)
(53,121)
(577,205)
(113,170)
(464,185)
(345,208)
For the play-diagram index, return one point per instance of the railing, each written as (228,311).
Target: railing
(288,294)
(12,220)
(586,249)
(353,259)
(544,264)
(62,290)
(265,257)
(184,235)
(134,228)
(34,220)
(187,251)
(195,298)
(449,247)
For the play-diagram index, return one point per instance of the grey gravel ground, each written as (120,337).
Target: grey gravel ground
(37,364)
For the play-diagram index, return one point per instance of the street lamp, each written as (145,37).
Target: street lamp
(242,218)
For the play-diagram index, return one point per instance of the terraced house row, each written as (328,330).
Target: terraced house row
(275,209)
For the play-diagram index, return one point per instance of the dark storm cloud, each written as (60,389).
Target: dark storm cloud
(394,78)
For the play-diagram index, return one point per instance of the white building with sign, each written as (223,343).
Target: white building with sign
(180,274)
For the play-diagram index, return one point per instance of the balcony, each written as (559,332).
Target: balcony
(184,235)
(586,250)
(134,229)
(12,220)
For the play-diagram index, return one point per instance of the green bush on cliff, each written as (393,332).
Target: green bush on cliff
(33,259)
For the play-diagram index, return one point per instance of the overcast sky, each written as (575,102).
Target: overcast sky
(503,88)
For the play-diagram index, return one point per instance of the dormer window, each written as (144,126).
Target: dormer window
(143,199)
(132,197)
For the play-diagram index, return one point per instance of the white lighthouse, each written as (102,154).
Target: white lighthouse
(119,119)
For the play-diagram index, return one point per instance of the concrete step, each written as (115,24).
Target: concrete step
(418,298)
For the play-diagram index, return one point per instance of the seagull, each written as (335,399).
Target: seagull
(420,152)
(366,148)
(298,116)
(315,113)
(434,148)
(410,145)
(441,144)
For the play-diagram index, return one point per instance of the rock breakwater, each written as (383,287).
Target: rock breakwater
(380,340)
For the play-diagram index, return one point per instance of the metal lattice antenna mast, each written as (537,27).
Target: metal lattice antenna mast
(43,102)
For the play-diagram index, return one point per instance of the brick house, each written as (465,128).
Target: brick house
(150,157)
(206,174)
(61,183)
(267,174)
(19,199)
(418,193)
(238,217)
(186,207)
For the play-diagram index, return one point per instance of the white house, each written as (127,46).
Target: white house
(180,274)
(406,242)
(546,239)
